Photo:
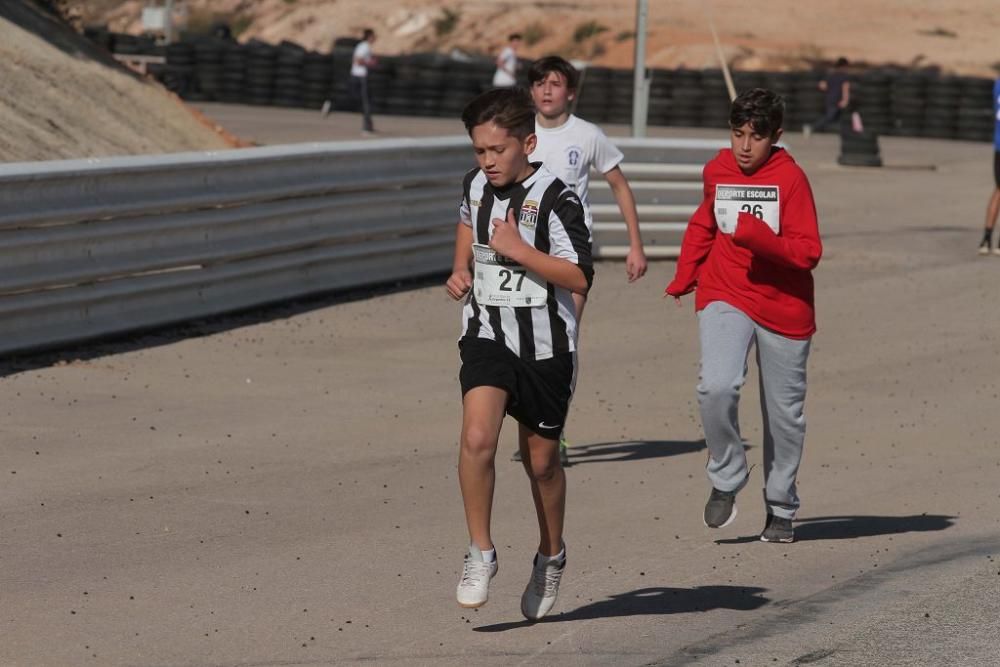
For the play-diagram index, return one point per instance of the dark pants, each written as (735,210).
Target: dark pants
(831,116)
(359,90)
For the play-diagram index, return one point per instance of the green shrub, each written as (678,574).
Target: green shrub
(444,24)
(534,33)
(586,30)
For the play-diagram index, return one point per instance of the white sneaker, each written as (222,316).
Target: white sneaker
(325,111)
(540,595)
(474,586)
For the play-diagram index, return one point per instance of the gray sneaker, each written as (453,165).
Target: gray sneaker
(720,510)
(778,530)
(543,588)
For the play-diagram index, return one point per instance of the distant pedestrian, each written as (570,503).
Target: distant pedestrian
(837,86)
(993,208)
(361,60)
(506,74)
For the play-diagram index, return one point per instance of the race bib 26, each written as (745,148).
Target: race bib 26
(760,201)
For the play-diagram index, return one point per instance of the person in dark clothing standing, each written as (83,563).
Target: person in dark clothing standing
(837,87)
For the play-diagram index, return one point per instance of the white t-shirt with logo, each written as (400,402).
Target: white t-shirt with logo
(503,77)
(569,151)
(362,52)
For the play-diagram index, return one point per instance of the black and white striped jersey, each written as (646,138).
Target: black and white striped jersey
(550,217)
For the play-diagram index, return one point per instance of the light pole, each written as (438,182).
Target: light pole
(640,86)
(168,22)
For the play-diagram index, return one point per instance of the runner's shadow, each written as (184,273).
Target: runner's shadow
(850,527)
(654,601)
(632,450)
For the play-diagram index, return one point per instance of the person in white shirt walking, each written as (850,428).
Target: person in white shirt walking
(569,147)
(506,74)
(361,60)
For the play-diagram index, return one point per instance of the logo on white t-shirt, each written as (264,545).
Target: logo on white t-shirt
(573,156)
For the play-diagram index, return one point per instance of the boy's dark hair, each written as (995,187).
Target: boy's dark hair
(543,67)
(512,36)
(509,108)
(763,109)
(368,34)
(841,62)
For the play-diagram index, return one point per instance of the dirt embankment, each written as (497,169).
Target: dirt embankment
(62,98)
(958,36)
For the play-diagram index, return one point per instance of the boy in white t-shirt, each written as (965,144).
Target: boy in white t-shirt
(506,74)
(568,147)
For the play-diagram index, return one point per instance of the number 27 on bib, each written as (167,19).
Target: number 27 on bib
(760,201)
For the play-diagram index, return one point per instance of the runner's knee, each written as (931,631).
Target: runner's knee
(543,466)
(478,441)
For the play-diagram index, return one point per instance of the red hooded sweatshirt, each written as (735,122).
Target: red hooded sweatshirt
(732,252)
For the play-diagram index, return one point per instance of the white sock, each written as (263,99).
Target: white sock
(542,558)
(489,555)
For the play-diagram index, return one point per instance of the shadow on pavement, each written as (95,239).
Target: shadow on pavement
(632,450)
(654,601)
(850,527)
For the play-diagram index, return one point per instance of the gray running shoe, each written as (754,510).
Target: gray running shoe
(720,510)
(778,530)
(540,594)
(984,247)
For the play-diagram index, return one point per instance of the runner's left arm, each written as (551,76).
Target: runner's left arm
(635,261)
(798,246)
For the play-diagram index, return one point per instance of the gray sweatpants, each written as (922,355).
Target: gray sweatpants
(726,336)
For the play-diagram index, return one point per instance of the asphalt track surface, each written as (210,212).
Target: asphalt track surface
(279,487)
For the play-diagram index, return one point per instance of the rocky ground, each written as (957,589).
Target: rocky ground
(62,98)
(957,36)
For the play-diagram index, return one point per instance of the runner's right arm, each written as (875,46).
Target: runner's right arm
(460,281)
(698,239)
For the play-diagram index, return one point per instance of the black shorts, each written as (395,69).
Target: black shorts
(996,168)
(539,390)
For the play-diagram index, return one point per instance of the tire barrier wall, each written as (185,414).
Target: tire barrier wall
(891,101)
(103,246)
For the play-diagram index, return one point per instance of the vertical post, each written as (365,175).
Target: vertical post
(640,92)
(168,22)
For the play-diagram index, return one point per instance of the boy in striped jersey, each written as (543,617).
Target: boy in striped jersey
(521,231)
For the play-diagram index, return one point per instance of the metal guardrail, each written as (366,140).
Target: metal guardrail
(104,246)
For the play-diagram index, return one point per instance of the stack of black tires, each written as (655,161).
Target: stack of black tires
(891,101)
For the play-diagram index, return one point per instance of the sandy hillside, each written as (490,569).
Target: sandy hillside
(61,99)
(959,36)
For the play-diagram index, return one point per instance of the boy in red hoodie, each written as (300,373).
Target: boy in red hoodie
(748,253)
